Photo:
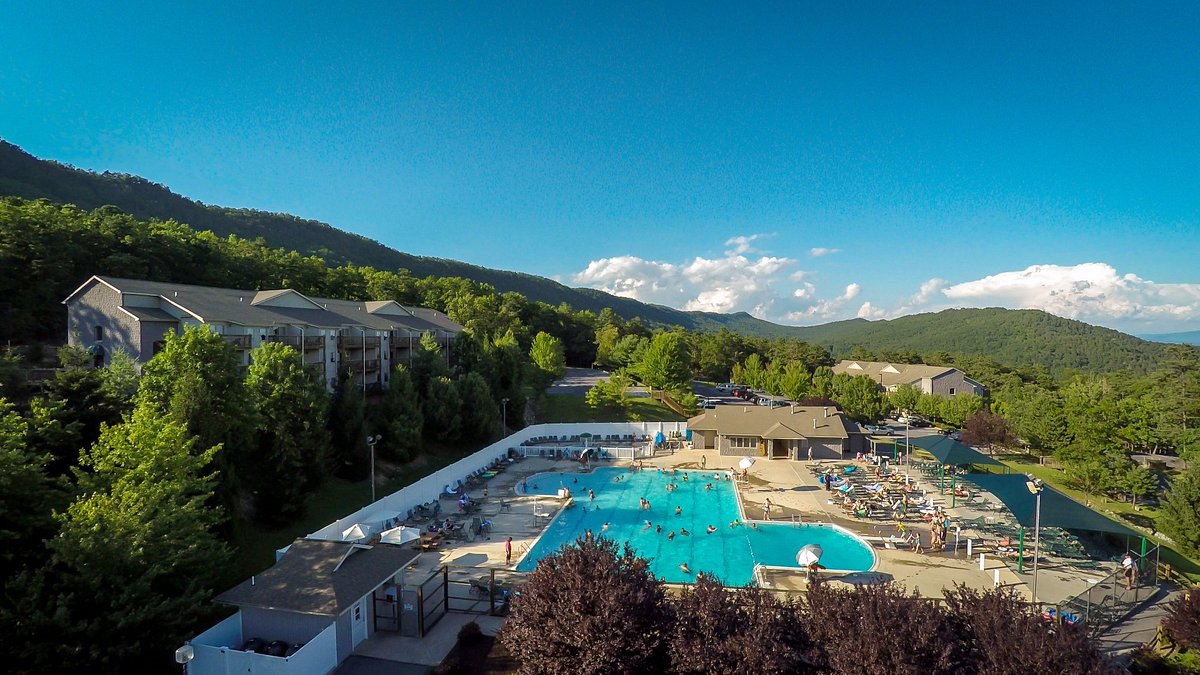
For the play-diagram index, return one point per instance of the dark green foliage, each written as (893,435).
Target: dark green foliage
(399,418)
(986,428)
(28,493)
(349,455)
(478,412)
(590,608)
(1180,514)
(442,409)
(134,561)
(292,448)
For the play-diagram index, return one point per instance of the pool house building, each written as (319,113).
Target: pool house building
(777,432)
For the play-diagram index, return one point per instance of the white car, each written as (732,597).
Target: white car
(725,386)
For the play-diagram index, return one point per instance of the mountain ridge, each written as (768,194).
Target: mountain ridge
(1015,337)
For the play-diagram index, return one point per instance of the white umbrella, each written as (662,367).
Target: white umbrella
(399,535)
(809,554)
(746,463)
(356,532)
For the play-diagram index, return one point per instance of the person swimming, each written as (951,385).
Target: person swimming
(684,532)
(658,529)
(708,487)
(735,522)
(679,510)
(711,529)
(685,476)
(685,569)
(671,535)
(604,527)
(647,526)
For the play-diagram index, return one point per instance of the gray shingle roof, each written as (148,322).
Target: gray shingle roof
(263,308)
(305,579)
(773,422)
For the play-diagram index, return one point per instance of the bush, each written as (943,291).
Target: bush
(590,608)
(1183,619)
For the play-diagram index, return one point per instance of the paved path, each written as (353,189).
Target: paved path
(1140,628)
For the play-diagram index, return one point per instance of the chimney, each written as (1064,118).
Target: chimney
(814,423)
(826,411)
(251,579)
(793,407)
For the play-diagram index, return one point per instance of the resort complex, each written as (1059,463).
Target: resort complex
(395,580)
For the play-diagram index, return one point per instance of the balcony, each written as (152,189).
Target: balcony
(238,341)
(293,341)
(357,343)
(357,367)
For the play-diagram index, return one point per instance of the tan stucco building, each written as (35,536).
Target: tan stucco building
(940,380)
(776,432)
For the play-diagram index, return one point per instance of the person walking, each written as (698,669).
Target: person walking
(1128,569)
(810,454)
(767,509)
(508,550)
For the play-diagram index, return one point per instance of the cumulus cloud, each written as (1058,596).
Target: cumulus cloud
(763,285)
(821,250)
(1093,292)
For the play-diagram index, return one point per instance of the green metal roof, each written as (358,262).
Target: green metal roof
(1058,510)
(949,451)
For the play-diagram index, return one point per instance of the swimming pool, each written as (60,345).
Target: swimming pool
(729,553)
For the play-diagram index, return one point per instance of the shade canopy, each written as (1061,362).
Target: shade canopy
(399,535)
(809,554)
(949,451)
(357,532)
(746,463)
(1058,510)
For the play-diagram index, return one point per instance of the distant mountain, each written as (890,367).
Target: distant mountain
(1009,336)
(1191,337)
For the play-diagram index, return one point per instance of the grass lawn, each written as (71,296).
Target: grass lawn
(568,408)
(1122,512)
(256,546)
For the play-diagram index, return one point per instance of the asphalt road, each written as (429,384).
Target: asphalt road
(577,381)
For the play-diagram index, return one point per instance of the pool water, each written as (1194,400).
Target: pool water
(729,553)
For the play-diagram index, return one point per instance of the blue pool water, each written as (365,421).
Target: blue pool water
(730,553)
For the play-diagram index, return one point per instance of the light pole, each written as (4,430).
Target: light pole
(503,417)
(1035,486)
(371,441)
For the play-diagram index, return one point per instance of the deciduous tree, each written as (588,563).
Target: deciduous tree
(1180,511)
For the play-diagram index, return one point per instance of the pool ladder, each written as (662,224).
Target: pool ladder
(797,520)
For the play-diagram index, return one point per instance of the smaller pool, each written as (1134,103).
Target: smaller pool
(705,499)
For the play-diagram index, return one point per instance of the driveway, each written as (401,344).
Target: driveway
(577,381)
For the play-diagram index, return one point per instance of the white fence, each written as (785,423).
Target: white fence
(431,487)
(217,652)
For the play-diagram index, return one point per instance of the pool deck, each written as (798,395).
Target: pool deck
(793,491)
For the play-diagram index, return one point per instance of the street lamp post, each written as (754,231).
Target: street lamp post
(503,417)
(371,441)
(1035,486)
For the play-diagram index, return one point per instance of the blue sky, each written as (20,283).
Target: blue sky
(800,162)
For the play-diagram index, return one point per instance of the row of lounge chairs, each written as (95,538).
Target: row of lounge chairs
(579,438)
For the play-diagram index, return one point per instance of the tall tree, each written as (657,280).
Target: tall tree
(904,397)
(666,362)
(794,381)
(400,421)
(348,429)
(441,407)
(292,407)
(862,400)
(547,355)
(1180,514)
(135,559)
(478,411)
(28,494)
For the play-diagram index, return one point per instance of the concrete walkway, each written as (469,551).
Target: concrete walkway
(1142,627)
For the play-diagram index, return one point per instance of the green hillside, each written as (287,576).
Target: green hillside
(1008,336)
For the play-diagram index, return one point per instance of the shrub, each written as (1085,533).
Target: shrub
(1183,619)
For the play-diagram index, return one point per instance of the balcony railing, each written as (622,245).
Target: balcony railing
(294,341)
(356,367)
(238,341)
(351,342)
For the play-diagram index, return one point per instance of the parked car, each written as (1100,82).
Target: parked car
(955,435)
(879,429)
(726,386)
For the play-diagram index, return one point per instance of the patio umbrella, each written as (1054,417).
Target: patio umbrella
(399,535)
(746,463)
(809,554)
(585,436)
(356,532)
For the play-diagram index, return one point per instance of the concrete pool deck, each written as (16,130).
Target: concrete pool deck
(793,491)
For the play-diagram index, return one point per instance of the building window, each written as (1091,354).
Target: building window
(99,333)
(951,391)
(743,442)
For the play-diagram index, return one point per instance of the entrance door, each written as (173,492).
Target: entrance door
(358,622)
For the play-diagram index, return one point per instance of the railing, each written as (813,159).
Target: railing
(239,341)
(351,342)
(358,366)
(1109,601)
(294,341)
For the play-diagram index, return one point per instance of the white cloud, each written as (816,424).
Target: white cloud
(741,243)
(761,285)
(799,275)
(1092,292)
(821,250)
